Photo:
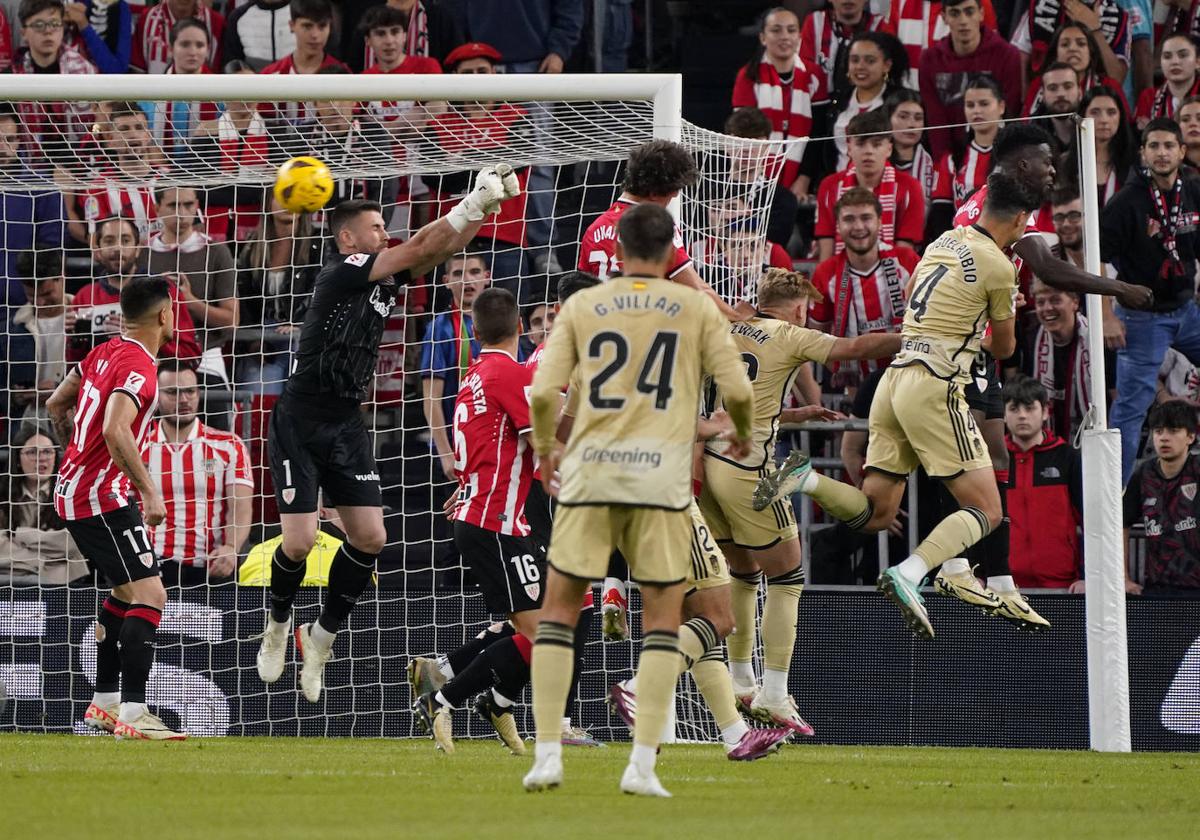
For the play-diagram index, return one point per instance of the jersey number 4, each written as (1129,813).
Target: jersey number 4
(920,298)
(654,377)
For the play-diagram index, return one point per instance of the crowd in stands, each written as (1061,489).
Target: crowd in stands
(911,95)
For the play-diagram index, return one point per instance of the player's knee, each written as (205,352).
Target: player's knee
(370,540)
(298,546)
(994,516)
(151,593)
(722,622)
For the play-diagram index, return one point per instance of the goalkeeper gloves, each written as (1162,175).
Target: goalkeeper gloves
(493,185)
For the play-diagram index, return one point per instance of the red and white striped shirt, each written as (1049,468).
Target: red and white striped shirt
(789,106)
(954,182)
(494,463)
(197,478)
(152,41)
(900,196)
(109,199)
(89,483)
(822,36)
(598,249)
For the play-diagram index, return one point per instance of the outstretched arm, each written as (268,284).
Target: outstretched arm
(1062,274)
(61,404)
(868,346)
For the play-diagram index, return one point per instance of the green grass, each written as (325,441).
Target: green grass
(55,787)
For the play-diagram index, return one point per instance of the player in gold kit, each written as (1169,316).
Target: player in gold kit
(638,346)
(919,415)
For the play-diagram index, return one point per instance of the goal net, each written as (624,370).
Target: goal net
(189,163)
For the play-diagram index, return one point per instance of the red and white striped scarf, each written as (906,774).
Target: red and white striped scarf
(1077,388)
(831,35)
(789,107)
(1170,19)
(923,169)
(885,192)
(1164,103)
(418,36)
(156,36)
(241,148)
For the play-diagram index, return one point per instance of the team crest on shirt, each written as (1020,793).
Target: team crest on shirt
(358,259)
(147,559)
(533,590)
(210,466)
(288,495)
(1189,491)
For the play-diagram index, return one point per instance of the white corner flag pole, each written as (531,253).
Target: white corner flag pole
(1103,551)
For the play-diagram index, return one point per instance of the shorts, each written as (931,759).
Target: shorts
(709,568)
(510,570)
(539,513)
(983,392)
(654,541)
(117,543)
(917,418)
(725,502)
(308,455)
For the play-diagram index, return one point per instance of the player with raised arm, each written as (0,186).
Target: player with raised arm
(773,344)
(113,392)
(317,439)
(637,347)
(964,283)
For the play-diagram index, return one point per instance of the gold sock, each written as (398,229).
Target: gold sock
(551,668)
(716,686)
(743,593)
(844,501)
(952,536)
(658,668)
(779,618)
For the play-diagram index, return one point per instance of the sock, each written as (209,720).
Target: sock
(844,501)
(104,699)
(951,537)
(697,636)
(743,594)
(774,687)
(108,656)
(550,671)
(993,548)
(913,569)
(1002,583)
(614,585)
(501,666)
(712,678)
(643,757)
(779,628)
(460,658)
(137,650)
(349,575)
(583,629)
(131,711)
(956,566)
(502,701)
(285,580)
(657,672)
(321,637)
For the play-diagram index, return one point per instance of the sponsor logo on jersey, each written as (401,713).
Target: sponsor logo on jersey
(1188,524)
(381,306)
(371,476)
(358,259)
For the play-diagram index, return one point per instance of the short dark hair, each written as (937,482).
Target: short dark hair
(659,167)
(748,122)
(645,232)
(495,316)
(1059,65)
(946,3)
(1007,196)
(37,266)
(29,8)
(188,23)
(315,10)
(1025,390)
(575,281)
(382,16)
(125,109)
(473,253)
(8,111)
(125,220)
(1162,124)
(1064,194)
(346,211)
(875,122)
(855,196)
(1172,414)
(1014,138)
(142,294)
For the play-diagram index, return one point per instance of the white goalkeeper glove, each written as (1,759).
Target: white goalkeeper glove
(484,200)
(508,179)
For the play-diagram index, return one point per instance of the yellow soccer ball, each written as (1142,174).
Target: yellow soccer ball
(303,185)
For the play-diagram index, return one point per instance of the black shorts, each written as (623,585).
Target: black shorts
(983,391)
(509,570)
(309,454)
(117,544)
(539,513)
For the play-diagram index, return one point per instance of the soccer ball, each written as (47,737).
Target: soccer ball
(303,185)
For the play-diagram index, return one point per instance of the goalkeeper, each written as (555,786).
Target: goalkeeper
(317,439)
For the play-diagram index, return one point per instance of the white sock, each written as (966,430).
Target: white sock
(566,724)
(441,698)
(1002,583)
(956,566)
(643,758)
(501,700)
(443,665)
(104,699)
(809,483)
(742,672)
(733,733)
(547,749)
(321,637)
(273,625)
(774,687)
(614,584)
(131,711)
(913,570)
(631,684)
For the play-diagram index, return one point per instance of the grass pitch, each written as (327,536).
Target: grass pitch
(58,786)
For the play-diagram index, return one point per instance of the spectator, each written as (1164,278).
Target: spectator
(826,34)
(909,155)
(34,544)
(116,254)
(1116,149)
(753,165)
(259,33)
(902,214)
(36,346)
(207,486)
(1044,494)
(918,24)
(385,29)
(175,124)
(29,217)
(1181,79)
(534,36)
(863,287)
(6,43)
(875,61)
(448,349)
(432,30)
(202,271)
(1035,30)
(970,48)
(1092,60)
(961,172)
(1189,123)
(1061,96)
(787,91)
(1161,496)
(103,31)
(1145,233)
(539,317)
(152,50)
(310,24)
(735,253)
(54,127)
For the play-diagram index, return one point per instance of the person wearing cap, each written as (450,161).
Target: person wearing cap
(474,57)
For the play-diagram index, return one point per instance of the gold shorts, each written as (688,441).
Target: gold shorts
(655,542)
(709,568)
(917,418)
(725,503)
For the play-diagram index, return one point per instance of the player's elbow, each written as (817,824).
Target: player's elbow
(1003,347)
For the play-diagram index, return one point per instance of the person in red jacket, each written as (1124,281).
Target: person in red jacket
(1045,494)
